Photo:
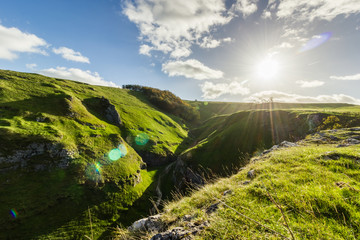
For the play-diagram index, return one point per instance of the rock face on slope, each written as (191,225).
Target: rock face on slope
(29,157)
(111,114)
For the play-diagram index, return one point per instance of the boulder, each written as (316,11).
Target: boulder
(178,233)
(111,114)
(151,224)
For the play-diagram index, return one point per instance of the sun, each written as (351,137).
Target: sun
(268,68)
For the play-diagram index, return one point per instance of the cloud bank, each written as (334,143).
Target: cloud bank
(77,74)
(212,91)
(310,84)
(191,69)
(173,27)
(295,98)
(71,55)
(355,77)
(14,41)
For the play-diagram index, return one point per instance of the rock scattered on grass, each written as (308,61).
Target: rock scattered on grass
(178,233)
(251,174)
(212,208)
(152,223)
(348,142)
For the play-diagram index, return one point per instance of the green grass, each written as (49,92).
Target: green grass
(54,202)
(227,141)
(211,109)
(319,196)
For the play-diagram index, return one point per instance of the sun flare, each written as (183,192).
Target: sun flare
(267,68)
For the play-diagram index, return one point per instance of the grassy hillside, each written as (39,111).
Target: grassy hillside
(227,141)
(78,160)
(308,191)
(58,154)
(211,109)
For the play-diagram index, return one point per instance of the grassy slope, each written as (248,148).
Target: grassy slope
(228,140)
(55,202)
(315,184)
(211,109)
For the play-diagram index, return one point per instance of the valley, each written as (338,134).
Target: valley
(78,161)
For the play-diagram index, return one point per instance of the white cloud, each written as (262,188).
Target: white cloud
(77,74)
(212,91)
(246,7)
(355,77)
(71,55)
(209,42)
(317,9)
(31,65)
(228,39)
(285,45)
(266,14)
(168,26)
(191,69)
(295,98)
(310,84)
(145,50)
(13,41)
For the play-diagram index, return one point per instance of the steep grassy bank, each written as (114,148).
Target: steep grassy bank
(226,142)
(211,109)
(68,147)
(308,191)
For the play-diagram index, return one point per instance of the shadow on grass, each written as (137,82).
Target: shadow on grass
(54,104)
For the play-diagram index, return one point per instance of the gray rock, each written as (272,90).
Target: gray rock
(286,144)
(174,234)
(178,233)
(332,155)
(22,158)
(110,112)
(246,182)
(212,208)
(333,138)
(152,223)
(227,192)
(187,218)
(251,174)
(349,142)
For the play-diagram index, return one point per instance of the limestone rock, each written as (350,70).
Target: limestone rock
(151,224)
(110,112)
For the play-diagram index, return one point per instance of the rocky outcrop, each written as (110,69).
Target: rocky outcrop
(184,233)
(154,160)
(184,176)
(314,120)
(283,144)
(110,112)
(58,157)
(349,142)
(151,224)
(154,224)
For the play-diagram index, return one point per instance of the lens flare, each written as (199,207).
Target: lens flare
(141,139)
(13,213)
(93,172)
(115,154)
(123,150)
(316,41)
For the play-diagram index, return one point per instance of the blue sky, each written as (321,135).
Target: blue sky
(233,50)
